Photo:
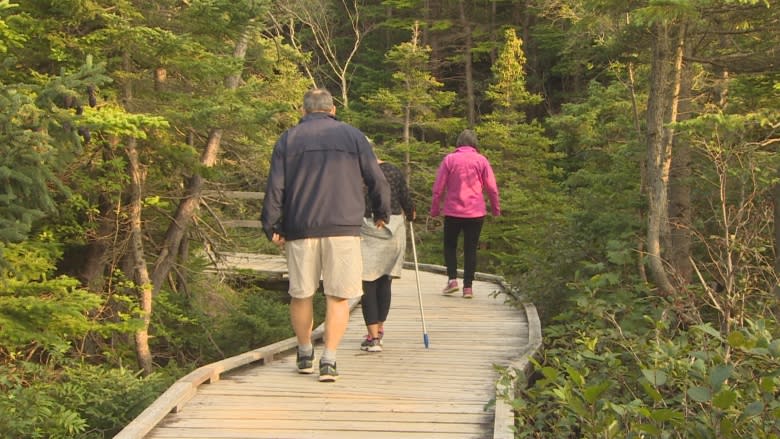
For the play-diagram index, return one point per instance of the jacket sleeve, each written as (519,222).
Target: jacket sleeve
(376,183)
(438,188)
(274,193)
(491,187)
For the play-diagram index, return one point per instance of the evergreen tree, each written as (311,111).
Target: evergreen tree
(24,192)
(412,105)
(43,130)
(534,209)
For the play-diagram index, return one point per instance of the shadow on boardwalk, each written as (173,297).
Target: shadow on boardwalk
(406,391)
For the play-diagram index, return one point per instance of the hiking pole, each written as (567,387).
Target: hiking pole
(419,292)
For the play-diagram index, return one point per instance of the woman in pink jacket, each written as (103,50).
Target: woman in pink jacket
(460,181)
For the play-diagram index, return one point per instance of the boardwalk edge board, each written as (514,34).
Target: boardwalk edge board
(176,396)
(504,418)
(504,421)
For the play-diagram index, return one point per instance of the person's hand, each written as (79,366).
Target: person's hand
(278,240)
(380,223)
(412,216)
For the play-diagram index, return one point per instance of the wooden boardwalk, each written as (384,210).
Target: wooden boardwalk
(406,391)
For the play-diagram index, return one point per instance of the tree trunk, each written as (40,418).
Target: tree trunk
(642,175)
(184,214)
(387,33)
(137,256)
(426,30)
(661,110)
(127,85)
(407,135)
(160,76)
(140,271)
(101,253)
(433,39)
(181,280)
(468,67)
(189,204)
(641,269)
(680,192)
(776,199)
(96,256)
(493,33)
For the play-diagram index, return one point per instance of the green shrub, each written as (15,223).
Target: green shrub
(109,398)
(625,364)
(215,320)
(28,407)
(77,401)
(39,314)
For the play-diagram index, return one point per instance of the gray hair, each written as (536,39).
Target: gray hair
(467,138)
(317,99)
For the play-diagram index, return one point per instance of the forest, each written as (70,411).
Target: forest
(635,144)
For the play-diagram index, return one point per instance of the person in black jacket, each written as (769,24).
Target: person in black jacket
(313,207)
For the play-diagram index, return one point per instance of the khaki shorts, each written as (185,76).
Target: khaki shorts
(336,260)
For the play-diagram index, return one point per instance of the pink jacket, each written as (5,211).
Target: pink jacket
(461,179)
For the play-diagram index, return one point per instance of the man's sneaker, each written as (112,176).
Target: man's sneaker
(468,293)
(305,364)
(452,287)
(371,344)
(328,372)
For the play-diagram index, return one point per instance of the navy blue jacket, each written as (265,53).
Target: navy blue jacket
(315,188)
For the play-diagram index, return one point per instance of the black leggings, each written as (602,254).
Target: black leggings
(376,300)
(471,228)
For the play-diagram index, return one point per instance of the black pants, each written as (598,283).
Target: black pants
(471,228)
(376,300)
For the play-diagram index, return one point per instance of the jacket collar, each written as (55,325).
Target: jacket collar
(317,115)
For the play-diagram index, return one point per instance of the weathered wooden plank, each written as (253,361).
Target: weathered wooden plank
(228,433)
(231,403)
(263,399)
(364,424)
(170,400)
(238,195)
(408,383)
(342,414)
(252,262)
(250,224)
(503,422)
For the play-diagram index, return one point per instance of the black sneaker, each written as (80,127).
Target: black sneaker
(305,364)
(328,372)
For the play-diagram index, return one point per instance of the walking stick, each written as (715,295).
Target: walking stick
(419,292)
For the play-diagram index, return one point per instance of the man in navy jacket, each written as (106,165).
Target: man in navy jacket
(314,205)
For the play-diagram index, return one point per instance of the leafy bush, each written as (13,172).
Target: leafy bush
(38,313)
(215,320)
(261,319)
(623,364)
(121,395)
(77,401)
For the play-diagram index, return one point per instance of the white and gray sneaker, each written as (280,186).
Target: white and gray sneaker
(371,344)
